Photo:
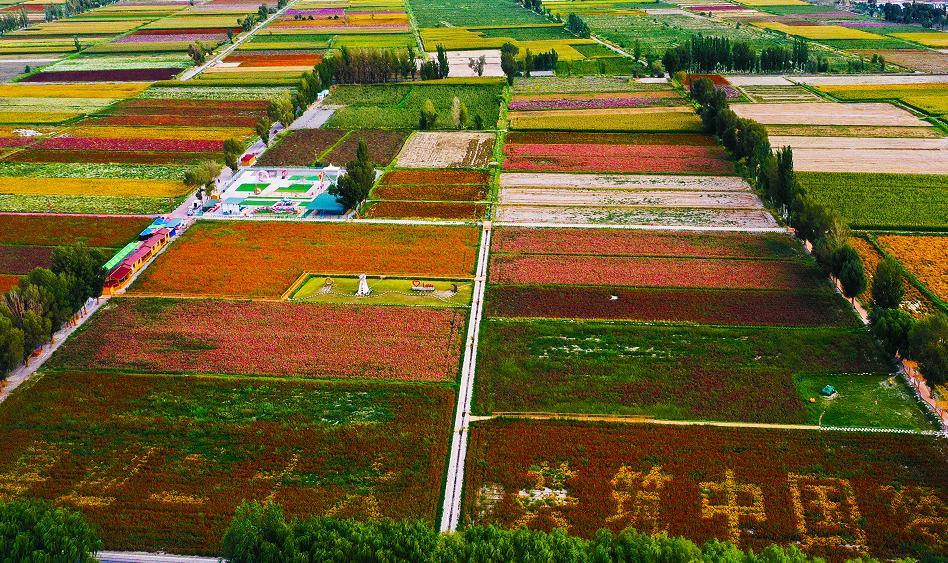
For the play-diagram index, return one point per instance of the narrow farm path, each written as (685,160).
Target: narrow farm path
(582,417)
(462,416)
(195,70)
(25,371)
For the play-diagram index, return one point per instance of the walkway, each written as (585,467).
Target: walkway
(450,513)
(24,372)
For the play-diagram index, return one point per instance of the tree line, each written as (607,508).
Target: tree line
(260,533)
(927,15)
(12,22)
(70,8)
(772,172)
(45,300)
(708,54)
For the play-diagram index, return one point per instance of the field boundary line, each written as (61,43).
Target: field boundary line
(450,513)
(647,419)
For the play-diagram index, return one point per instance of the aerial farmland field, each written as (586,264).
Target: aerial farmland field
(473,280)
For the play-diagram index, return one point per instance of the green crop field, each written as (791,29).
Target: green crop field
(467,13)
(882,200)
(689,372)
(397,106)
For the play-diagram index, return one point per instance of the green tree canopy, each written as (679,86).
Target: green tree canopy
(887,286)
(35,531)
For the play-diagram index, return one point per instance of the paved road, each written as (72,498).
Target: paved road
(462,418)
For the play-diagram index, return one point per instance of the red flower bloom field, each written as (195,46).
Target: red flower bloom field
(161,462)
(286,339)
(687,153)
(433,185)
(107,144)
(624,242)
(52,230)
(262,259)
(839,495)
(462,211)
(653,271)
(737,307)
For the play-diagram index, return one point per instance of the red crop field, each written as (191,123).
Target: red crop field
(194,113)
(840,495)
(622,242)
(54,230)
(667,163)
(287,339)
(262,259)
(107,144)
(433,185)
(462,211)
(107,156)
(652,271)
(432,192)
(740,307)
(161,462)
(419,177)
(22,259)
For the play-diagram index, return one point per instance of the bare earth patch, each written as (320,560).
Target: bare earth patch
(819,113)
(447,150)
(858,154)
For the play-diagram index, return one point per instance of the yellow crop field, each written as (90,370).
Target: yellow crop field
(462,39)
(926,257)
(77,90)
(92,187)
(931,98)
(66,27)
(820,31)
(927,38)
(35,117)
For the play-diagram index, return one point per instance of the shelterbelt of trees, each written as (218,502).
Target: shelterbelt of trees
(925,340)
(45,299)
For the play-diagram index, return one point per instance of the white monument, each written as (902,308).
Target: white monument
(363,287)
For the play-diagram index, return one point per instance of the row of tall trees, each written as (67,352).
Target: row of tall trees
(707,54)
(928,15)
(367,66)
(12,22)
(260,533)
(576,25)
(71,8)
(926,340)
(45,300)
